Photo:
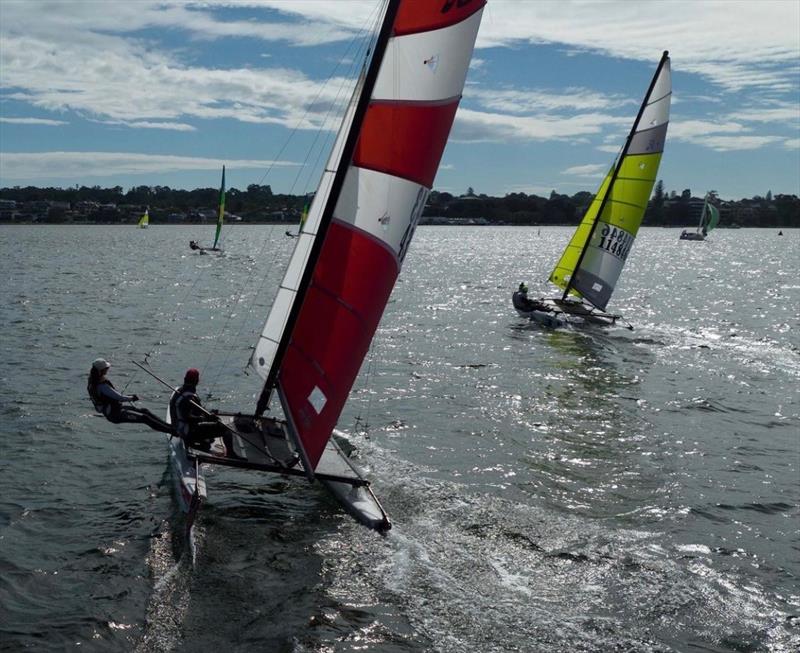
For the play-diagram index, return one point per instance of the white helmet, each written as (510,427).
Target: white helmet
(101,364)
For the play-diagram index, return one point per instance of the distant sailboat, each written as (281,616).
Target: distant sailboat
(144,221)
(303,217)
(709,218)
(347,257)
(193,244)
(593,260)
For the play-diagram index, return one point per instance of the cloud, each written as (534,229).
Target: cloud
(732,143)
(33,121)
(701,36)
(476,126)
(588,170)
(82,165)
(527,101)
(792,144)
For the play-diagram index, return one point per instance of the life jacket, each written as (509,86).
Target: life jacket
(102,404)
(180,409)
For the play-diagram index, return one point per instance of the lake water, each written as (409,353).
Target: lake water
(572,490)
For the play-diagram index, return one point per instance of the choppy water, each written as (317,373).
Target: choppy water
(577,490)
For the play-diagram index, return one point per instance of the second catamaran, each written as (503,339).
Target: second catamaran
(193,244)
(593,260)
(709,218)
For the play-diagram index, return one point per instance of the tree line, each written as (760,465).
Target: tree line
(258,203)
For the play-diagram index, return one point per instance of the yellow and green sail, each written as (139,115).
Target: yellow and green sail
(144,221)
(593,260)
(221,213)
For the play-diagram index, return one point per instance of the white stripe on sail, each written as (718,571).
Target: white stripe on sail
(380,204)
(428,65)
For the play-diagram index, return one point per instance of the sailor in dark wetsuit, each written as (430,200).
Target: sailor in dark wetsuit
(522,302)
(193,244)
(195,426)
(108,401)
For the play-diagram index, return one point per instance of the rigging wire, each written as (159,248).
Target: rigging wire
(356,44)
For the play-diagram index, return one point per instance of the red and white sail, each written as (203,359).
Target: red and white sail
(319,347)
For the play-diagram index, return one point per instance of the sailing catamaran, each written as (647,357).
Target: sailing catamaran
(709,218)
(348,256)
(303,217)
(144,221)
(593,259)
(220,218)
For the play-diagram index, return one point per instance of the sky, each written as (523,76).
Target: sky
(164,93)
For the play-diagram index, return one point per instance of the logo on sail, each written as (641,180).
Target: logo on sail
(317,399)
(432,62)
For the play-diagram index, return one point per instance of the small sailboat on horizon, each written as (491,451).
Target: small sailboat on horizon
(709,218)
(193,244)
(593,260)
(303,218)
(144,221)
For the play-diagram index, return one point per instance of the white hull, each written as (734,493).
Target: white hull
(267,450)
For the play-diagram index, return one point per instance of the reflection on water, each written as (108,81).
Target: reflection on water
(584,489)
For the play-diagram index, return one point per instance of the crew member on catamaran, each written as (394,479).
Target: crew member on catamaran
(196,426)
(108,401)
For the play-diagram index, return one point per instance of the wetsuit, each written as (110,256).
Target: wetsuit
(191,423)
(109,402)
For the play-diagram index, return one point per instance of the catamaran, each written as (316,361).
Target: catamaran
(709,218)
(303,217)
(592,261)
(220,218)
(144,221)
(347,258)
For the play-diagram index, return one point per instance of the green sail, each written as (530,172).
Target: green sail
(221,214)
(713,217)
(594,258)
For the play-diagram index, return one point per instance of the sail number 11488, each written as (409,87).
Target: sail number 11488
(615,241)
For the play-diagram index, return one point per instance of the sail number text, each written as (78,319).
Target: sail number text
(615,241)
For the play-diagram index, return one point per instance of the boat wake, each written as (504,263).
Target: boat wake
(168,604)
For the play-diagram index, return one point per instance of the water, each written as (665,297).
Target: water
(575,490)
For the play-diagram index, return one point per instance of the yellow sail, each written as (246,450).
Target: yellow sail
(144,221)
(593,260)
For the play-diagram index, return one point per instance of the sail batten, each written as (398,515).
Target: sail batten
(593,260)
(386,156)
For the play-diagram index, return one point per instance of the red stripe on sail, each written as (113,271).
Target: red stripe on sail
(405,139)
(422,16)
(352,283)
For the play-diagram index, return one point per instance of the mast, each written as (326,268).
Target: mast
(332,199)
(617,167)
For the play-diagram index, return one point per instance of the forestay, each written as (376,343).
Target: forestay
(361,222)
(592,262)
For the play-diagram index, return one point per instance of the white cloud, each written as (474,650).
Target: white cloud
(588,170)
(477,126)
(703,37)
(731,143)
(82,165)
(527,101)
(33,121)
(792,144)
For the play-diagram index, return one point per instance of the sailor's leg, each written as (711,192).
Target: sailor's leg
(142,416)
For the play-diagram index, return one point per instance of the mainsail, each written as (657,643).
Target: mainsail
(593,259)
(221,212)
(363,216)
(144,221)
(709,218)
